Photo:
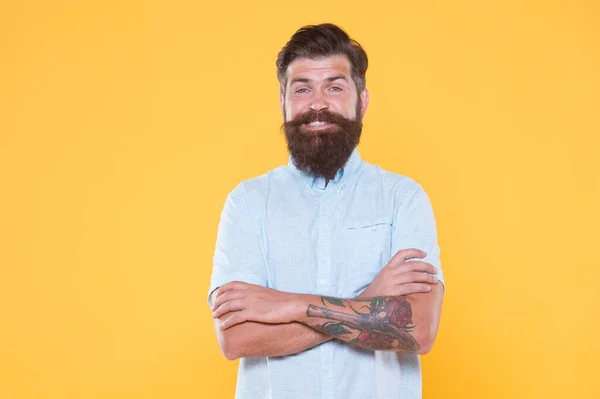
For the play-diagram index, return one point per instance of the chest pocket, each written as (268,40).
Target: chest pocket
(364,249)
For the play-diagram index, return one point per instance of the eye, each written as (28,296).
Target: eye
(335,88)
(302,90)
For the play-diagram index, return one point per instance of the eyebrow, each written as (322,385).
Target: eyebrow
(306,80)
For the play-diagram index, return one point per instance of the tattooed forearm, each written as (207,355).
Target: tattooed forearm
(381,323)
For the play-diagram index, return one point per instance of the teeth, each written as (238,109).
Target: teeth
(317,123)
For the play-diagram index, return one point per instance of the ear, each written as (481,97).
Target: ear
(364,102)
(282,103)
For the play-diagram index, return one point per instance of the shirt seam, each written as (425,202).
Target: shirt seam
(255,229)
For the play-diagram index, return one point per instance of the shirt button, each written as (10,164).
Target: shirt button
(323,281)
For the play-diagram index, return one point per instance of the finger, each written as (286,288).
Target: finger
(407,289)
(404,254)
(213,296)
(415,277)
(235,305)
(416,266)
(233,285)
(233,319)
(227,296)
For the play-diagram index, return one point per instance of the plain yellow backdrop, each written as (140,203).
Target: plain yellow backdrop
(123,126)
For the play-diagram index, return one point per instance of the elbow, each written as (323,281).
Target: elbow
(230,341)
(425,340)
(425,347)
(230,354)
(229,347)
(230,350)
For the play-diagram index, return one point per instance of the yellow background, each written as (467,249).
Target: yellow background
(123,127)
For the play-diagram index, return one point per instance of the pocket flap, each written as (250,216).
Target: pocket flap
(366,224)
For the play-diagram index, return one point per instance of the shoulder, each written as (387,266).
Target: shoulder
(388,183)
(256,190)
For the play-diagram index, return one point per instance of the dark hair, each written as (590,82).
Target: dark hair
(324,40)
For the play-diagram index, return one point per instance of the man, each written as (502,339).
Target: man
(326,279)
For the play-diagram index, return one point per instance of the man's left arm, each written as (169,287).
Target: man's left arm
(407,323)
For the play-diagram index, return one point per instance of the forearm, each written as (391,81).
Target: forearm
(397,323)
(258,339)
(380,323)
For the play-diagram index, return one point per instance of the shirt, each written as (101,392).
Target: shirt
(290,231)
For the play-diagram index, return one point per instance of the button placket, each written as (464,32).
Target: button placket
(323,246)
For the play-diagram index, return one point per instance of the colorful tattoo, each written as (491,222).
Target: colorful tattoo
(381,323)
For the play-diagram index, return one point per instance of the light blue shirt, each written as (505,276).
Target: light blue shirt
(288,231)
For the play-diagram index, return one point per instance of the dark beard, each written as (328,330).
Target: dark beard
(322,152)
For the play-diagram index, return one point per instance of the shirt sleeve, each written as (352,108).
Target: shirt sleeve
(238,252)
(415,227)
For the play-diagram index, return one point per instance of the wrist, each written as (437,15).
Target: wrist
(298,304)
(366,293)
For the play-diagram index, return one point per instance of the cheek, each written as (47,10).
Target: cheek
(347,109)
(352,112)
(353,107)
(292,109)
(345,105)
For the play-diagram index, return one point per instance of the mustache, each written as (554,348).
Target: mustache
(315,116)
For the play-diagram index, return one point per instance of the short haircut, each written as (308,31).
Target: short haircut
(321,41)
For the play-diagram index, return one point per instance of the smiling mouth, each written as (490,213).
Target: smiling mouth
(318,125)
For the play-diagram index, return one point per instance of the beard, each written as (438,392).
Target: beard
(322,152)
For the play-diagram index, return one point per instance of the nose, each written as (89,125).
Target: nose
(318,102)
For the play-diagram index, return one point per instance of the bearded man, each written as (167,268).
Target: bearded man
(326,280)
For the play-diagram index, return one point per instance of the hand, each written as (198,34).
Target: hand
(400,277)
(237,302)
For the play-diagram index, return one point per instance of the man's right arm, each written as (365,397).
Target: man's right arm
(259,339)
(239,257)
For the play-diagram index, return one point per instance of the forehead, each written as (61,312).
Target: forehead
(320,68)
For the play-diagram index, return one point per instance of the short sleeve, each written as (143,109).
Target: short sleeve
(238,251)
(415,227)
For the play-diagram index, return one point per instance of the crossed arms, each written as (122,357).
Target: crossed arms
(399,311)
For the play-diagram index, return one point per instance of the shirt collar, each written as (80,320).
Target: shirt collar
(344,173)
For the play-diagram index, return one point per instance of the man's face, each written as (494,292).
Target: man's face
(322,113)
(322,84)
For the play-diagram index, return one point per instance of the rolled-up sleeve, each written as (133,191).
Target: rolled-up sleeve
(238,251)
(415,227)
